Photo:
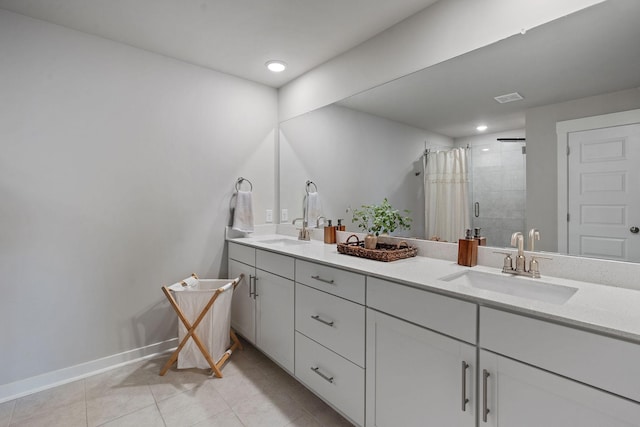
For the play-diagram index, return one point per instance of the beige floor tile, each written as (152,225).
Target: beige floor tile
(277,410)
(328,417)
(6,409)
(145,417)
(120,378)
(48,400)
(254,392)
(224,419)
(115,401)
(192,406)
(307,400)
(321,411)
(71,415)
(305,421)
(239,388)
(176,381)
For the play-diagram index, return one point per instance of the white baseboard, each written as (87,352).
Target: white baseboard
(48,380)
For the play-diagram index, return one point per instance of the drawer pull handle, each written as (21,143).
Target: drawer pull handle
(323,280)
(465,400)
(485,409)
(317,371)
(319,319)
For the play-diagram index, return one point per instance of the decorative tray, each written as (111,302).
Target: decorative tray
(383,251)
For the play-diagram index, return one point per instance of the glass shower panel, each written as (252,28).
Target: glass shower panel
(498,173)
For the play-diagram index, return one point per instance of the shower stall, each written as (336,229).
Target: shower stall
(498,189)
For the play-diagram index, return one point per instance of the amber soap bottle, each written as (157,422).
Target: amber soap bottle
(468,250)
(330,233)
(482,241)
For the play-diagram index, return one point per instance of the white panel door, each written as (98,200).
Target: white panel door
(243,304)
(416,377)
(604,193)
(275,317)
(519,395)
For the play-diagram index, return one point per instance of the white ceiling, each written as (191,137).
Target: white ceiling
(233,36)
(591,52)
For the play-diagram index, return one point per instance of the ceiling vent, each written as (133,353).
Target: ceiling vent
(510,97)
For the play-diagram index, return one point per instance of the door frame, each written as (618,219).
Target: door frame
(562,131)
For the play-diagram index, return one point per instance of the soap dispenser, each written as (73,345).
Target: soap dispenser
(340,226)
(468,250)
(329,233)
(482,241)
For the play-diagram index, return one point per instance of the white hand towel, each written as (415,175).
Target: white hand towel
(314,208)
(243,213)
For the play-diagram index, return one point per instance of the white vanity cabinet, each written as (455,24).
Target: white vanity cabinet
(560,377)
(263,310)
(330,333)
(417,375)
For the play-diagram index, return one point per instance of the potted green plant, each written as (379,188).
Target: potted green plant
(380,219)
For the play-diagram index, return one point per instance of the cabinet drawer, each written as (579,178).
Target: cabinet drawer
(333,377)
(334,322)
(603,362)
(442,314)
(242,253)
(281,265)
(338,282)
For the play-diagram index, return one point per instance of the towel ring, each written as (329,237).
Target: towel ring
(310,183)
(239,184)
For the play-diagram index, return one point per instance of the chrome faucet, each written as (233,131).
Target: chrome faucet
(318,221)
(303,233)
(534,234)
(517,240)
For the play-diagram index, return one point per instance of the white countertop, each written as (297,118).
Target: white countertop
(611,310)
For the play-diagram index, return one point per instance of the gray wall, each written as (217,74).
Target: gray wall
(116,173)
(542,205)
(354,158)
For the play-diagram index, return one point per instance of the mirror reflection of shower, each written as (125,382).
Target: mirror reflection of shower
(498,184)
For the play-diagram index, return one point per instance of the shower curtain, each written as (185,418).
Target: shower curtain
(446,194)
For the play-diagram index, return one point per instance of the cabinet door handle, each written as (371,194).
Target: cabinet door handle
(325,377)
(485,408)
(319,319)
(251,279)
(255,286)
(322,280)
(465,400)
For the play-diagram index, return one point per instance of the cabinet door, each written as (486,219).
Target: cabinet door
(275,314)
(416,377)
(524,396)
(243,311)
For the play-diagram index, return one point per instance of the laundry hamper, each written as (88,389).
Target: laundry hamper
(203,307)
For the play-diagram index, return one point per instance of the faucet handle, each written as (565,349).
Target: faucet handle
(507,265)
(534,265)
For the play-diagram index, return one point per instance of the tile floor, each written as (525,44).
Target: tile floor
(253,392)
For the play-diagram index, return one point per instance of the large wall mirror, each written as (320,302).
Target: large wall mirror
(371,145)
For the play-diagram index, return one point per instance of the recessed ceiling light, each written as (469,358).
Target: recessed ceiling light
(276,66)
(485,149)
(481,128)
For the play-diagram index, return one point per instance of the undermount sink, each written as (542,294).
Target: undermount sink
(284,242)
(516,286)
